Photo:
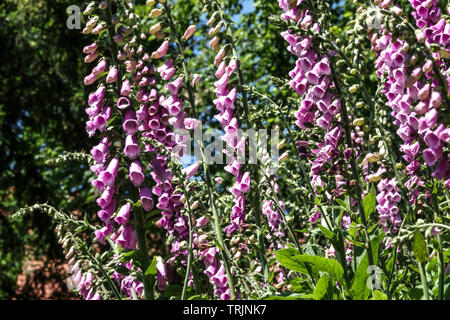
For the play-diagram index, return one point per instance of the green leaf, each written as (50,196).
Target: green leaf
(359,288)
(369,203)
(151,270)
(290,259)
(343,204)
(199,297)
(326,232)
(291,297)
(286,257)
(321,288)
(378,295)
(416,293)
(420,247)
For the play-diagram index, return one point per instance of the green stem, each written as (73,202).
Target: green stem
(190,254)
(423,278)
(354,167)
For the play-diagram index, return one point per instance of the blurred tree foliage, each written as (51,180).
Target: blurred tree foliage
(41,114)
(42,102)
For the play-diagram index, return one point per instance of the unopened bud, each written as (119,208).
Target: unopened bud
(358,122)
(284,156)
(156,13)
(155,28)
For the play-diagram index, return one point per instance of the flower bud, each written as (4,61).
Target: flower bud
(195,205)
(155,28)
(420,36)
(281,144)
(284,156)
(358,122)
(156,13)
(103,5)
(188,33)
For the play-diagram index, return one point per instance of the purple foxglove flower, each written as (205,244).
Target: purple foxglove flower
(102,119)
(106,197)
(428,121)
(180,225)
(436,99)
(225,117)
(431,156)
(109,175)
(444,135)
(233,167)
(98,184)
(100,68)
(432,140)
(106,213)
(442,170)
(161,51)
(132,149)
(91,57)
(153,95)
(100,151)
(112,75)
(154,122)
(127,238)
(123,215)
(220,70)
(191,123)
(103,233)
(424,92)
(90,79)
(230,98)
(323,67)
(175,85)
(195,79)
(313,77)
(223,81)
(244,182)
(125,90)
(142,113)
(123,103)
(161,274)
(146,199)
(130,65)
(334,136)
(136,175)
(202,221)
(130,124)
(90,48)
(191,170)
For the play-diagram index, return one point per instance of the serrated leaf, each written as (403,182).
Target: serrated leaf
(290,259)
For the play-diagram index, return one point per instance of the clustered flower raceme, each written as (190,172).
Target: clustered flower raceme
(387,199)
(311,78)
(78,277)
(82,282)
(319,107)
(152,121)
(414,94)
(173,220)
